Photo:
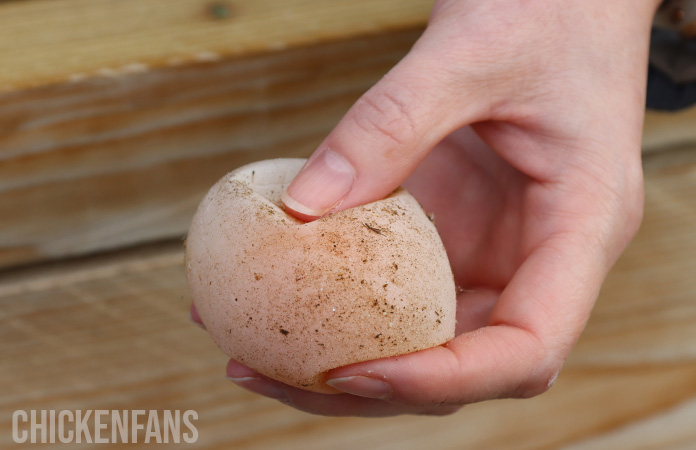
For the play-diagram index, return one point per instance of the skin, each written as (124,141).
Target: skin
(519,124)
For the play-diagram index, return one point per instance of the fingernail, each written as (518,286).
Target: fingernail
(321,184)
(362,387)
(260,386)
(552,380)
(198,324)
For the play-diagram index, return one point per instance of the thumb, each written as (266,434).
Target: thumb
(380,140)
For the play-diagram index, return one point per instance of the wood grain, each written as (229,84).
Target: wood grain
(119,161)
(116,116)
(111,332)
(54,41)
(669,129)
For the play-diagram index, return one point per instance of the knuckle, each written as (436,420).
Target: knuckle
(540,382)
(635,205)
(441,410)
(609,201)
(543,374)
(386,116)
(627,213)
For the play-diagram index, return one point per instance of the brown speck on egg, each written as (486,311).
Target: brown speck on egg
(374,229)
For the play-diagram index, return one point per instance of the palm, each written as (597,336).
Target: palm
(482,208)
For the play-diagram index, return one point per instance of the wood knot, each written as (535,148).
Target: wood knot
(220,10)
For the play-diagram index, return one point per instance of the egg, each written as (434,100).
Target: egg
(293,300)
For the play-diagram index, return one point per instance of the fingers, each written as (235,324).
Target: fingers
(530,331)
(519,353)
(381,139)
(324,404)
(195,318)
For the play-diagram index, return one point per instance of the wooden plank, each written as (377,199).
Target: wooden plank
(116,117)
(54,41)
(117,161)
(669,129)
(115,120)
(111,332)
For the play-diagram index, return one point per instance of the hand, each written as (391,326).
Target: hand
(519,125)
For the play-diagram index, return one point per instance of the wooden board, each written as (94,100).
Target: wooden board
(125,161)
(669,129)
(119,161)
(111,332)
(117,116)
(54,41)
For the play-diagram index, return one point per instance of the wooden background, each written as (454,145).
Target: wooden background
(115,117)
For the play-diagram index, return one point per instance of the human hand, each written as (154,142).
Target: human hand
(534,201)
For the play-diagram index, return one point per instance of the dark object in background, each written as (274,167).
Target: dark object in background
(677,15)
(666,95)
(672,71)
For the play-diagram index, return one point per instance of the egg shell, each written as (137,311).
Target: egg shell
(293,300)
